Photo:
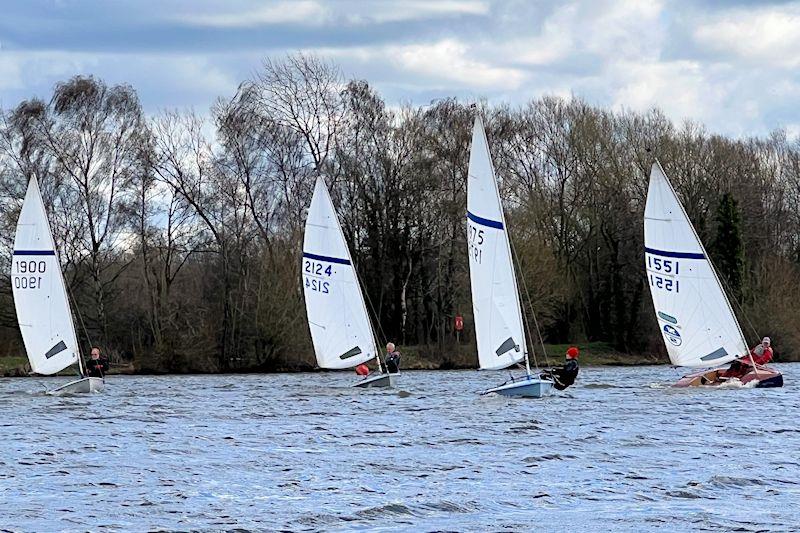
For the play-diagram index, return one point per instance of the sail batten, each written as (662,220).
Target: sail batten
(693,312)
(496,307)
(337,314)
(40,295)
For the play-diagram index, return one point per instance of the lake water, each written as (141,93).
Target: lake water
(304,452)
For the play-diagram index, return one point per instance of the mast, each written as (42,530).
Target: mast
(508,246)
(711,266)
(358,280)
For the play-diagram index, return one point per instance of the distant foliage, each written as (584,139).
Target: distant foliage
(180,234)
(728,248)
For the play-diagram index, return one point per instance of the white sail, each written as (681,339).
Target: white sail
(337,316)
(693,312)
(495,299)
(40,296)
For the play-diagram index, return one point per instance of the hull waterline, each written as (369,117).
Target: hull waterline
(80,386)
(526,387)
(378,380)
(765,378)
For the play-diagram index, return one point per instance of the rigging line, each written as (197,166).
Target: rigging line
(530,305)
(76,311)
(740,305)
(377,320)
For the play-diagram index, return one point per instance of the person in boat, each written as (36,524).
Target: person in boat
(565,375)
(97,366)
(362,370)
(761,354)
(392,359)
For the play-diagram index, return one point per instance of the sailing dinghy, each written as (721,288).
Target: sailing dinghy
(499,328)
(694,314)
(40,296)
(337,314)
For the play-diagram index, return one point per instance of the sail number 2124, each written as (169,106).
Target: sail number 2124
(314,276)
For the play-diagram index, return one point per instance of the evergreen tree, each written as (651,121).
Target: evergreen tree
(727,249)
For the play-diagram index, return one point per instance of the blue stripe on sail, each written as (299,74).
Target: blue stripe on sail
(326,258)
(34,252)
(484,221)
(677,255)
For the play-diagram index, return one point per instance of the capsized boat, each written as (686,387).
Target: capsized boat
(699,327)
(337,314)
(40,297)
(499,328)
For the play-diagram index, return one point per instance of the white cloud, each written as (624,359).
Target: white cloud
(306,12)
(381,12)
(766,35)
(452,60)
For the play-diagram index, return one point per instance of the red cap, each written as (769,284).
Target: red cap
(572,352)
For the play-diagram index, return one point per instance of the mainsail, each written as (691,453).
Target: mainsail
(40,296)
(693,312)
(337,316)
(499,328)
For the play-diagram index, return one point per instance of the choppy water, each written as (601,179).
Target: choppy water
(305,452)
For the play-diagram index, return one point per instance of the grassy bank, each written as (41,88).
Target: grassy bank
(591,354)
(430,358)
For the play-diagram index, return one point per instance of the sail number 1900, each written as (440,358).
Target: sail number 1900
(24,271)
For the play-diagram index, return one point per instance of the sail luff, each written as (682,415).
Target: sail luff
(710,261)
(340,326)
(40,295)
(693,312)
(496,305)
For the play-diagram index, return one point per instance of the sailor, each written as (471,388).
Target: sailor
(97,366)
(565,375)
(392,359)
(761,355)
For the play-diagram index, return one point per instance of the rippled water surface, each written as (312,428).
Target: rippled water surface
(305,452)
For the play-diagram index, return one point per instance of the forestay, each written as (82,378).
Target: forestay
(693,312)
(495,298)
(40,296)
(337,315)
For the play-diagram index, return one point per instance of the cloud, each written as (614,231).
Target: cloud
(305,12)
(453,61)
(382,12)
(765,35)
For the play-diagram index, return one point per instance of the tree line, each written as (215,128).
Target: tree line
(180,233)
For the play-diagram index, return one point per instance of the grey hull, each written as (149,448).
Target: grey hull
(529,387)
(80,386)
(378,380)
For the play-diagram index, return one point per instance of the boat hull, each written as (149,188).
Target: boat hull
(765,378)
(79,386)
(527,387)
(377,380)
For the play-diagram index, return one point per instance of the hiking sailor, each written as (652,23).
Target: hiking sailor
(565,375)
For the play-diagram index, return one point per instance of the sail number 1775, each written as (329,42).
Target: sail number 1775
(475,241)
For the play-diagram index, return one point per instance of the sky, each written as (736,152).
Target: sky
(731,65)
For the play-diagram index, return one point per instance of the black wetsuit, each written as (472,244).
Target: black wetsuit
(393,362)
(565,375)
(97,368)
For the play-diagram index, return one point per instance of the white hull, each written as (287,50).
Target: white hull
(80,386)
(378,380)
(526,387)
